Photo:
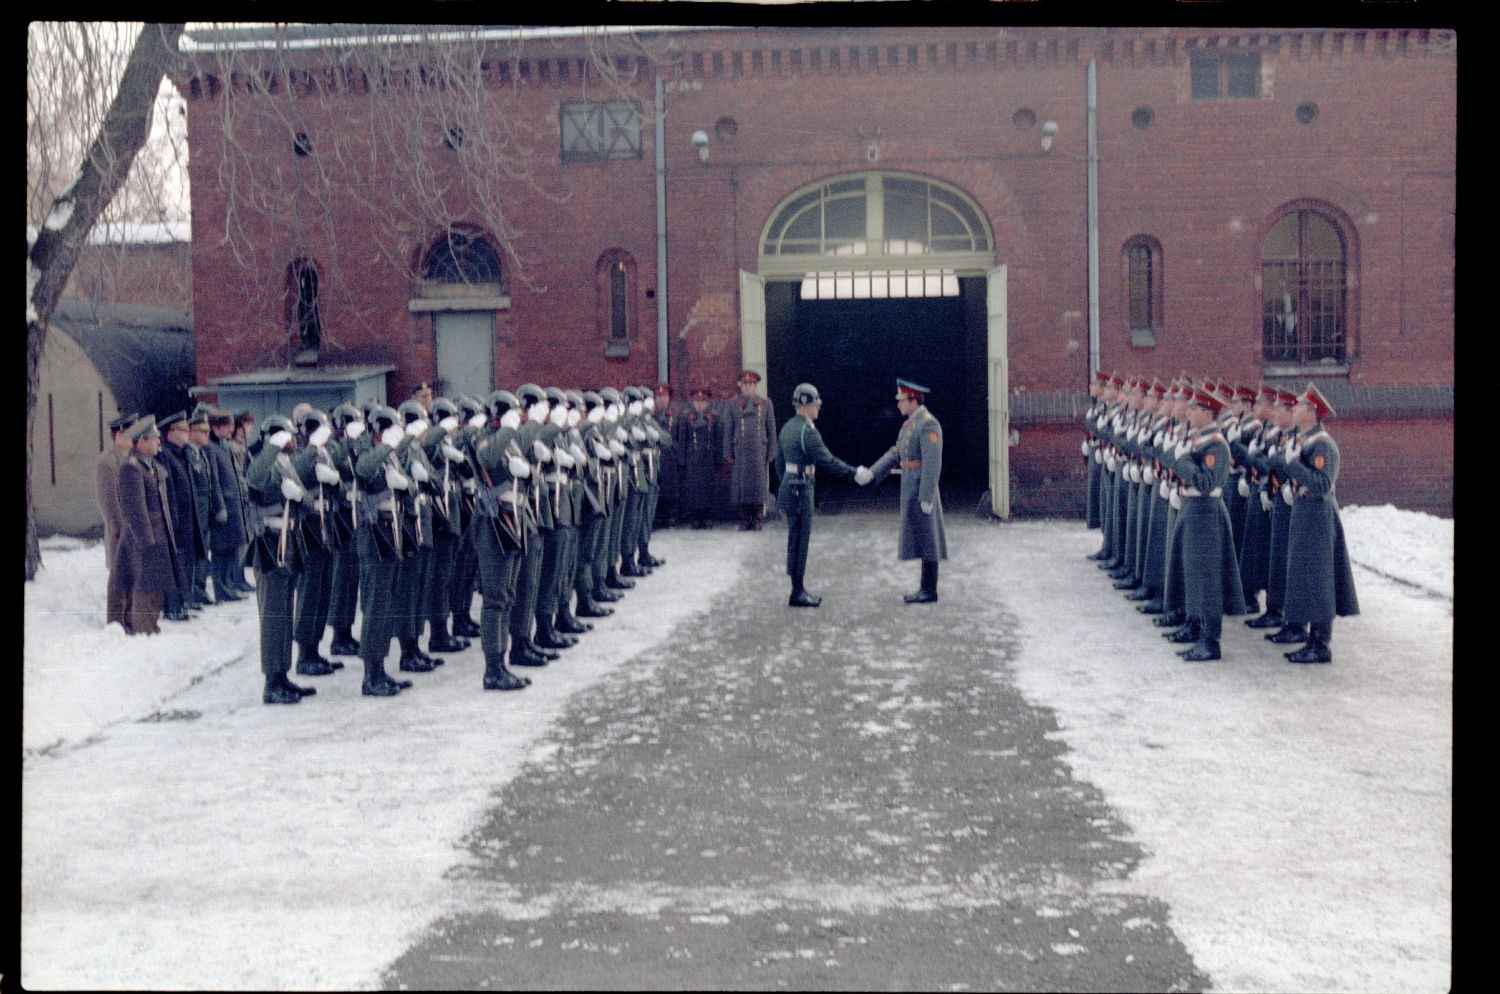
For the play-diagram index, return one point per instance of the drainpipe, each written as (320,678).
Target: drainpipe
(1093,220)
(661,232)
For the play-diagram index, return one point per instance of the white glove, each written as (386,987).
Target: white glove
(1253,447)
(1294,453)
(320,437)
(354,429)
(1182,449)
(1099,456)
(326,473)
(1084,447)
(449,424)
(617,448)
(620,433)
(519,468)
(601,450)
(1244,486)
(1130,473)
(579,455)
(395,479)
(279,440)
(564,458)
(1287,495)
(637,434)
(392,436)
(863,476)
(470,486)
(653,433)
(510,419)
(1265,500)
(477,421)
(1148,476)
(452,454)
(1162,490)
(1158,438)
(291,489)
(1233,434)
(1175,499)
(416,428)
(539,448)
(419,471)
(926,507)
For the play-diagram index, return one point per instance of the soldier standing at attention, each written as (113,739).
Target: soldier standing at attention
(668,415)
(205,500)
(700,450)
(593,538)
(752,448)
(802,454)
(1319,581)
(228,531)
(181,508)
(319,475)
(382,544)
(1203,560)
(1281,495)
(918,453)
(497,529)
(147,552)
(107,493)
(344,449)
(276,552)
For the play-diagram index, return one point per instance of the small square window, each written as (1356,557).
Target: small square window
(594,131)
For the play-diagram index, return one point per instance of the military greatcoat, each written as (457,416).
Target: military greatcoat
(700,451)
(1203,563)
(752,444)
(1319,581)
(147,549)
(918,453)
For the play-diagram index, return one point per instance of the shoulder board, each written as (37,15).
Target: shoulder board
(1209,439)
(1314,438)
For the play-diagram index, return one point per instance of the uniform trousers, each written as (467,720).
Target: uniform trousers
(343,592)
(465,573)
(439,590)
(314,587)
(590,538)
(550,578)
(499,570)
(528,580)
(276,599)
(377,604)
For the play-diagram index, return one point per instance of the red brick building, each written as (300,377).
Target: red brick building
(993,211)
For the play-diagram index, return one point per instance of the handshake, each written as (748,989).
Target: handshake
(863,476)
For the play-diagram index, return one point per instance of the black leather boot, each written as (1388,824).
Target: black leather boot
(521,654)
(377,684)
(1141,593)
(411,659)
(1169,619)
(615,581)
(465,626)
(569,625)
(549,637)
(1185,635)
(312,664)
(591,608)
(800,597)
(1315,651)
(1271,619)
(440,641)
(344,644)
(497,677)
(277,693)
(1153,606)
(1289,635)
(303,691)
(1202,651)
(927,594)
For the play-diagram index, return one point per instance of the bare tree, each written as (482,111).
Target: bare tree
(430,110)
(118,136)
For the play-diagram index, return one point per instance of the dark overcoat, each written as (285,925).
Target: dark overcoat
(229,480)
(147,550)
(700,452)
(181,502)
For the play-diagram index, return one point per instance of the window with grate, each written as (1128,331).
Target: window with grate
(615,279)
(462,258)
(1304,290)
(595,131)
(1235,75)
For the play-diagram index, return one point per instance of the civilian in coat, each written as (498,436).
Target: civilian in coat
(107,493)
(752,446)
(919,454)
(147,548)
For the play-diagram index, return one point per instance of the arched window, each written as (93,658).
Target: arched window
(615,284)
(879,235)
(1140,261)
(302,304)
(1304,290)
(462,258)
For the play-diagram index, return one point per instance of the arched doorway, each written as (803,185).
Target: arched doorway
(870,276)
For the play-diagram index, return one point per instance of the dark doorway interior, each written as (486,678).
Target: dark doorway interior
(853,351)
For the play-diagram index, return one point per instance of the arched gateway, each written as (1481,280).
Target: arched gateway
(870,275)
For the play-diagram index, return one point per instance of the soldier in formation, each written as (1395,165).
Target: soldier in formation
(1177,466)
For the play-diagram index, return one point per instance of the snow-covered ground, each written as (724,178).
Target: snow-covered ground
(178,833)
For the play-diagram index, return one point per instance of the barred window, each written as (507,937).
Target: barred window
(1142,265)
(302,298)
(594,131)
(1304,290)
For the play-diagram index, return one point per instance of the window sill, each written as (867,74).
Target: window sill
(427,305)
(1143,338)
(617,350)
(1287,369)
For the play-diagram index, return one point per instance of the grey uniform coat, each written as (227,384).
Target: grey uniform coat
(919,453)
(229,481)
(107,492)
(1203,561)
(752,444)
(1319,581)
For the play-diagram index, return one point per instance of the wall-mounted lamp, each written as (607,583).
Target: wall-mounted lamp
(1049,131)
(700,142)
